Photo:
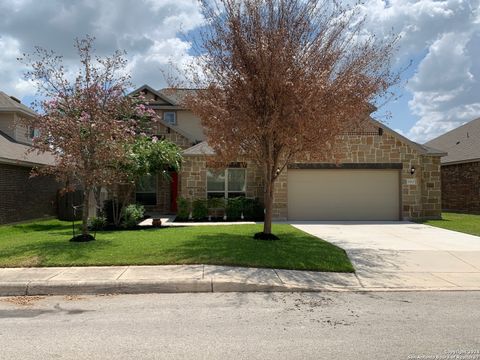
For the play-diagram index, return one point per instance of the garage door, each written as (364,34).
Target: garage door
(343,194)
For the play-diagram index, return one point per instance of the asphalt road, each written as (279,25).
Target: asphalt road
(243,326)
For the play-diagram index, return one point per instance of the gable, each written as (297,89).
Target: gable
(153,96)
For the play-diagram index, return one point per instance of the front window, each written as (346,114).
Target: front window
(146,190)
(170,117)
(226,183)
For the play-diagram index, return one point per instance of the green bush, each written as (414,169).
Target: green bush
(132,214)
(234,208)
(108,210)
(199,209)
(216,203)
(253,209)
(183,208)
(97,223)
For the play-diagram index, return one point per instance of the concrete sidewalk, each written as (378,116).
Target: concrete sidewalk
(192,278)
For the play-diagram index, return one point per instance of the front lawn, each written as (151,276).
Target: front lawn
(45,243)
(466,223)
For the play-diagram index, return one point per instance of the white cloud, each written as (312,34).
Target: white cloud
(445,34)
(147,29)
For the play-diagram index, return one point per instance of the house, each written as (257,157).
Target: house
(381,175)
(460,169)
(21,197)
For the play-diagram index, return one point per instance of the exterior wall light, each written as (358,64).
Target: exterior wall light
(412,170)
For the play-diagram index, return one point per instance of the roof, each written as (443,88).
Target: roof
(11,104)
(12,152)
(462,144)
(177,95)
(201,148)
(204,149)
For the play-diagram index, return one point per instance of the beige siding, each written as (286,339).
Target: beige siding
(190,124)
(6,124)
(21,131)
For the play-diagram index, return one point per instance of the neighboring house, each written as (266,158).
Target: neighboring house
(381,175)
(461,167)
(21,197)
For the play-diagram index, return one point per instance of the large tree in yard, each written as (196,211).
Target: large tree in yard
(86,121)
(282,79)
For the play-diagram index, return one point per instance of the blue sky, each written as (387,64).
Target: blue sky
(442,38)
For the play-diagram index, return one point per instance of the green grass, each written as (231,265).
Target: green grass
(45,243)
(466,223)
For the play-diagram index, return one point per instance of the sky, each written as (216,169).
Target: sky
(439,91)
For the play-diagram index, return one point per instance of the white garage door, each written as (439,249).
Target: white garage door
(343,194)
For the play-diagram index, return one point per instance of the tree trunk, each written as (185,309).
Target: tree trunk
(268,200)
(86,203)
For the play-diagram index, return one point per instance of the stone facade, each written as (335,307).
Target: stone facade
(23,197)
(461,187)
(193,178)
(167,133)
(420,191)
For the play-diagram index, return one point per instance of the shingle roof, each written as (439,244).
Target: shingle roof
(177,95)
(15,153)
(200,149)
(9,104)
(462,144)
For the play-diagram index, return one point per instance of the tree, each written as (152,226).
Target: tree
(144,156)
(86,120)
(280,79)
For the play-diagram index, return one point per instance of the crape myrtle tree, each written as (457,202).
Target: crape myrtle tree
(284,78)
(86,121)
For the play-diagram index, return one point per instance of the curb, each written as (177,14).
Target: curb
(177,286)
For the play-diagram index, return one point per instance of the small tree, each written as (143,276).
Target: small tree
(86,120)
(284,78)
(144,156)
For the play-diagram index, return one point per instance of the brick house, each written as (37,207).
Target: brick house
(381,174)
(21,197)
(460,169)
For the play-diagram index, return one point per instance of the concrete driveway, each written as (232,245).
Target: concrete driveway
(404,254)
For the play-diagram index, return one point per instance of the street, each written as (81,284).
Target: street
(383,325)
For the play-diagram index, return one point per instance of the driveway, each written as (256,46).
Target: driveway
(404,254)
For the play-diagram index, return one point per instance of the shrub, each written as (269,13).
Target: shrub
(183,208)
(199,209)
(234,208)
(132,214)
(108,210)
(253,209)
(97,223)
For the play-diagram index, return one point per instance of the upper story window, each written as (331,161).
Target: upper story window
(32,132)
(170,117)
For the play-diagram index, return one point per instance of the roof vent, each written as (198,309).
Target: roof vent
(15,99)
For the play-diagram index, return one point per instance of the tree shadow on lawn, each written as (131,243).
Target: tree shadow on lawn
(47,252)
(297,252)
(33,227)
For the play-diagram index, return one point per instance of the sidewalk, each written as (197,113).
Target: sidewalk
(186,278)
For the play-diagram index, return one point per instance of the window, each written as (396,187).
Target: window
(170,117)
(146,190)
(32,132)
(226,183)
